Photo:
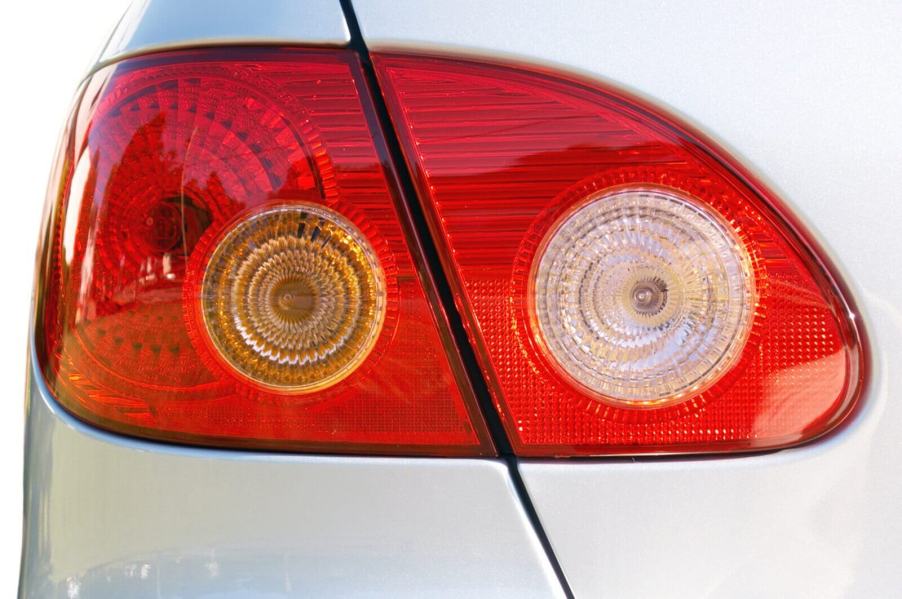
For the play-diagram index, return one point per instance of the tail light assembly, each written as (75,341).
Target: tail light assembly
(230,262)
(230,265)
(626,287)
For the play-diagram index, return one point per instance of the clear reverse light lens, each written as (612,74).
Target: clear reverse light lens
(643,296)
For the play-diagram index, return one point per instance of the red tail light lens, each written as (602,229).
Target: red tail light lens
(229,264)
(627,289)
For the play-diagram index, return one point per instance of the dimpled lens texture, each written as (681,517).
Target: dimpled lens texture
(294,297)
(642,296)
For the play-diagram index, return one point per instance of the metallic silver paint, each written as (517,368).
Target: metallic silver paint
(807,95)
(162,24)
(111,517)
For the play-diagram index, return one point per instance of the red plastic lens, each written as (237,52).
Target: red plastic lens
(507,159)
(169,155)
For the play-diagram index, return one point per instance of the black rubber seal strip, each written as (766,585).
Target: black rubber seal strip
(468,356)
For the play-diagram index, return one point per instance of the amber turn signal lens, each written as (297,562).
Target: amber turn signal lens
(293,297)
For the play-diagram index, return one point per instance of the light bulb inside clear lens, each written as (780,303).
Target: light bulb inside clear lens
(643,296)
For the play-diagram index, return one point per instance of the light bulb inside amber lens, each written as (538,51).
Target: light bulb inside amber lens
(643,296)
(294,297)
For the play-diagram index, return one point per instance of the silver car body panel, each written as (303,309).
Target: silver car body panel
(162,24)
(111,517)
(806,95)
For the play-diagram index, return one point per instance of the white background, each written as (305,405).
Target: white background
(45,49)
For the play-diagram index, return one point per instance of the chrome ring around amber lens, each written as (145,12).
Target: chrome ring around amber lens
(294,297)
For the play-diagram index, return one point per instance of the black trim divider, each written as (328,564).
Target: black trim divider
(465,350)
(427,245)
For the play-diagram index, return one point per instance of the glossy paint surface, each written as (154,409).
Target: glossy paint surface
(109,517)
(158,24)
(806,95)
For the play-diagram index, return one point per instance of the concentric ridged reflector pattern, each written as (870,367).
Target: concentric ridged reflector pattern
(643,295)
(294,297)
